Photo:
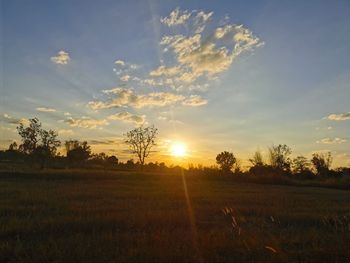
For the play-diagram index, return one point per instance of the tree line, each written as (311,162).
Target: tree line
(39,147)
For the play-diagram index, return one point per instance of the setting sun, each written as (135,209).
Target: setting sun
(178,150)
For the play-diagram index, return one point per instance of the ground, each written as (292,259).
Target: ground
(91,216)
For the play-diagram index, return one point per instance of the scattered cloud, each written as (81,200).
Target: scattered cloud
(176,17)
(128,98)
(200,20)
(339,117)
(67,114)
(194,57)
(61,58)
(11,120)
(165,71)
(125,77)
(44,109)
(194,101)
(120,62)
(128,117)
(332,141)
(86,122)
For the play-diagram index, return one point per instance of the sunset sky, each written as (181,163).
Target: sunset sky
(210,75)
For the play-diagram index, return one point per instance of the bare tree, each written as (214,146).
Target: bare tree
(141,140)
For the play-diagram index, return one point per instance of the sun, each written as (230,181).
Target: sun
(178,150)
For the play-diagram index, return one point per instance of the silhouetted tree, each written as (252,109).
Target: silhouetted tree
(322,163)
(77,152)
(13,146)
(112,160)
(301,167)
(300,164)
(141,140)
(49,141)
(40,144)
(257,159)
(30,135)
(279,157)
(225,160)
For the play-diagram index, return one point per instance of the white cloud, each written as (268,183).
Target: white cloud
(127,117)
(125,78)
(332,141)
(86,122)
(165,71)
(119,62)
(339,117)
(208,56)
(66,114)
(44,109)
(61,58)
(11,120)
(195,101)
(127,98)
(200,20)
(176,17)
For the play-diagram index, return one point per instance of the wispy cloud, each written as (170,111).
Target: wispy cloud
(61,58)
(176,17)
(195,101)
(194,57)
(44,109)
(339,117)
(125,77)
(86,122)
(332,141)
(120,62)
(11,120)
(128,98)
(128,117)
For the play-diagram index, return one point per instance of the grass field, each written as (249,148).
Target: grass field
(87,216)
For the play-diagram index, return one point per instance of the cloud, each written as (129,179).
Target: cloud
(125,78)
(67,114)
(206,53)
(119,62)
(200,21)
(127,98)
(195,56)
(195,101)
(332,141)
(86,122)
(61,58)
(176,17)
(165,71)
(44,109)
(339,117)
(128,117)
(11,120)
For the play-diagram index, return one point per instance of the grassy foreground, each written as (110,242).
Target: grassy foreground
(81,216)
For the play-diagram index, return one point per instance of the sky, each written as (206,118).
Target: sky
(211,75)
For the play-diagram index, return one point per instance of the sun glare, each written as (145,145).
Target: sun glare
(178,150)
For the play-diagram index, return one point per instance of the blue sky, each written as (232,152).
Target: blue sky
(251,74)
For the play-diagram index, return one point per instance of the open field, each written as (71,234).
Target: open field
(87,216)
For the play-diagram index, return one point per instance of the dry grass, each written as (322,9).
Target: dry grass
(111,217)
